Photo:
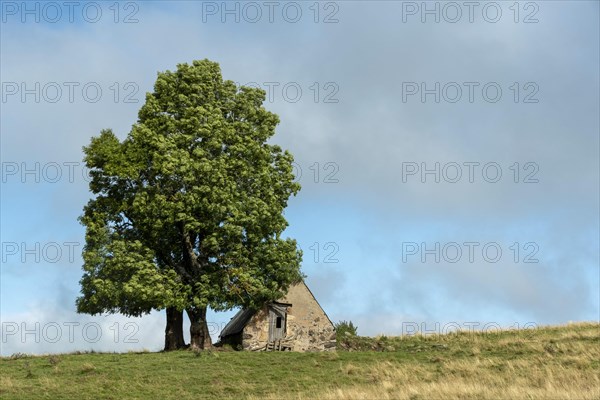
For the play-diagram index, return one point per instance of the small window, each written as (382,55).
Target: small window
(278,323)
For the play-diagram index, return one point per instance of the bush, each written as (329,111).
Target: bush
(344,329)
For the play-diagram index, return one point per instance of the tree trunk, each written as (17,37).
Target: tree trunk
(199,335)
(174,330)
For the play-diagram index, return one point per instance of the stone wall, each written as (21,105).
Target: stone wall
(256,331)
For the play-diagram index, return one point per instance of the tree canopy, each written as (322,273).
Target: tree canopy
(188,210)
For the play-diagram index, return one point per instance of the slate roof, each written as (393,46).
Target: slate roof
(237,323)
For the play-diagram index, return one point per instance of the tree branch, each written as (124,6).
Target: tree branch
(190,258)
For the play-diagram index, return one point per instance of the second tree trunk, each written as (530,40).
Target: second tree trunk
(199,335)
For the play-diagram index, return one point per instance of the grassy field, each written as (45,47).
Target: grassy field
(544,363)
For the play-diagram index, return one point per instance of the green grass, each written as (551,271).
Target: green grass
(540,363)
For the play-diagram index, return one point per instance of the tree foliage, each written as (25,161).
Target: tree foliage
(188,209)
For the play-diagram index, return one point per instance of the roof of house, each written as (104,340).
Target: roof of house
(237,323)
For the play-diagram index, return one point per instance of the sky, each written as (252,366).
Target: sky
(448,154)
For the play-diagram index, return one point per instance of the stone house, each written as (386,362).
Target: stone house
(294,323)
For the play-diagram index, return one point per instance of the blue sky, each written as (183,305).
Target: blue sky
(358,124)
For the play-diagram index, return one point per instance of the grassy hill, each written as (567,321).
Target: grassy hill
(545,363)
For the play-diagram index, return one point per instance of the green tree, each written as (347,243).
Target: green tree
(188,209)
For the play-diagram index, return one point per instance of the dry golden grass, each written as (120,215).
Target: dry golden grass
(557,363)
(477,379)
